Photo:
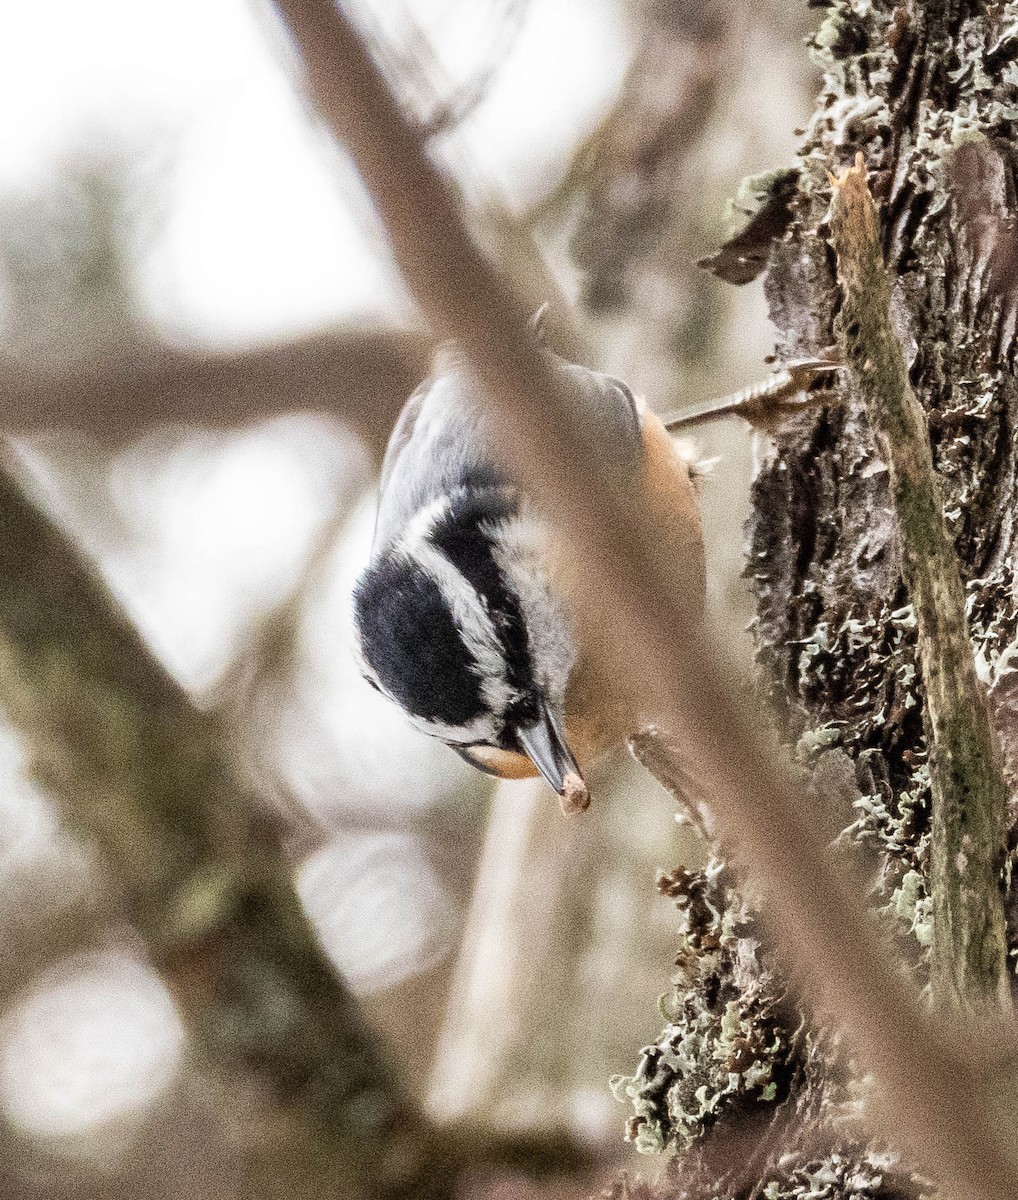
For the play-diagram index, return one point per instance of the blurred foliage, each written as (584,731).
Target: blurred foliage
(69,250)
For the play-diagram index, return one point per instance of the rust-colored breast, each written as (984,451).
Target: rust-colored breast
(598,718)
(503,763)
(672,506)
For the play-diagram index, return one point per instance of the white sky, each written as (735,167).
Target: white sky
(265,233)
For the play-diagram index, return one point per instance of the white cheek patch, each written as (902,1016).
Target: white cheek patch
(519,547)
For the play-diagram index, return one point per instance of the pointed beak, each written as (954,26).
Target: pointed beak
(545,746)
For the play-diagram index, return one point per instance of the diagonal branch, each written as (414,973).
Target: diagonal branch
(148,779)
(644,623)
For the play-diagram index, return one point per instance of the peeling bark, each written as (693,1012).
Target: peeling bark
(968,792)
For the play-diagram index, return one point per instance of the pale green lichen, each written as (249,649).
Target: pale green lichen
(724,1045)
(844,1175)
(883,689)
(911,903)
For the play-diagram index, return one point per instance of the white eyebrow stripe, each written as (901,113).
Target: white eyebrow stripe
(519,548)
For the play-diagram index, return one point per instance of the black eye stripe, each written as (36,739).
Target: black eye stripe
(463,536)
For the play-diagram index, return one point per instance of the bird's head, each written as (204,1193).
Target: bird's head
(458,624)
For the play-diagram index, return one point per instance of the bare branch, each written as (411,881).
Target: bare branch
(452,111)
(644,621)
(360,374)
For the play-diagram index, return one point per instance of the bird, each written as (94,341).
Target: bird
(464,617)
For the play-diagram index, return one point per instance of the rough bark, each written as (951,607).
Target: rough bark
(927,93)
(967,787)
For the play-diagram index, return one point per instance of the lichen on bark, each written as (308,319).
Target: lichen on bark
(927,93)
(729,1041)
(968,791)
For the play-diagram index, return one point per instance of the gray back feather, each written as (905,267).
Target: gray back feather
(441,438)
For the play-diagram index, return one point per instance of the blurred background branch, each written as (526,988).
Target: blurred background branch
(149,780)
(359,374)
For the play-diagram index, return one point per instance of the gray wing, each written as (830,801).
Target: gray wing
(609,410)
(402,432)
(441,441)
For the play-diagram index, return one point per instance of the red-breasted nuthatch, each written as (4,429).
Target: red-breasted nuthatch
(462,615)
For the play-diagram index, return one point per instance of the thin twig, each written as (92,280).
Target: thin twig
(452,111)
(643,622)
(969,792)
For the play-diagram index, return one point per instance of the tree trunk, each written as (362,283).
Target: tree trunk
(927,93)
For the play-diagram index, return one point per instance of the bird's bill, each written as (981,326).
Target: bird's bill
(546,747)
